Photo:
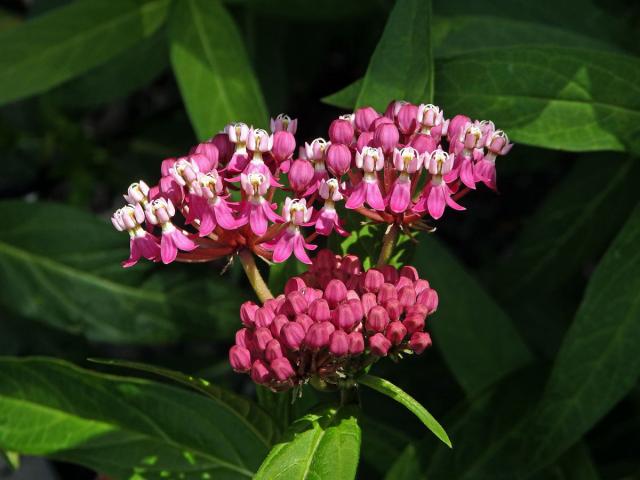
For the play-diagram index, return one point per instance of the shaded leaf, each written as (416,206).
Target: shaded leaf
(596,366)
(260,422)
(406,467)
(401,66)
(131,70)
(475,336)
(211,65)
(387,388)
(61,266)
(381,443)
(323,444)
(573,225)
(70,40)
(122,427)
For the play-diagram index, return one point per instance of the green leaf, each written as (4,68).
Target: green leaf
(401,67)
(562,98)
(381,443)
(261,424)
(61,266)
(211,65)
(571,228)
(595,367)
(551,97)
(387,388)
(406,467)
(70,40)
(475,336)
(458,34)
(323,444)
(121,427)
(129,71)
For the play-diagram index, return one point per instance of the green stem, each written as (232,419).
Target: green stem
(388,244)
(253,274)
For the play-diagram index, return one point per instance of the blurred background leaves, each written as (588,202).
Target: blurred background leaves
(534,374)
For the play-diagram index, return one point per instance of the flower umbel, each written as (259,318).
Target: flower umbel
(332,322)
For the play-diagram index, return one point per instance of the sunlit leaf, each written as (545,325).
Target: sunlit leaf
(402,65)
(211,65)
(322,444)
(121,427)
(70,40)
(260,422)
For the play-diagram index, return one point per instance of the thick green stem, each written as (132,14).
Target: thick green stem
(388,244)
(253,274)
(349,396)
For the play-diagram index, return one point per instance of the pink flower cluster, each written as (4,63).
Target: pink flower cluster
(333,321)
(393,168)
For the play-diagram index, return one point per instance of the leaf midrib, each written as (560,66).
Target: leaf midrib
(201,33)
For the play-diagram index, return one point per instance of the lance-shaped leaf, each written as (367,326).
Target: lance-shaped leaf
(122,427)
(70,40)
(387,388)
(401,68)
(211,65)
(596,366)
(261,422)
(61,266)
(475,336)
(322,444)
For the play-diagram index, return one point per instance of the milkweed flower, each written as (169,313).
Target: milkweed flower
(402,168)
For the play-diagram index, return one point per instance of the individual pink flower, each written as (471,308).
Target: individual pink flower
(185,172)
(437,194)
(328,219)
(141,242)
(255,209)
(284,123)
(315,152)
(210,206)
(290,240)
(485,169)
(159,212)
(371,160)
(406,162)
(468,148)
(259,142)
(431,121)
(238,134)
(137,192)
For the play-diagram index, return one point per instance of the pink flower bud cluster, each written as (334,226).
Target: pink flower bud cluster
(333,321)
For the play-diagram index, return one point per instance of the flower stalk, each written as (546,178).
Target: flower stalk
(388,244)
(254,276)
